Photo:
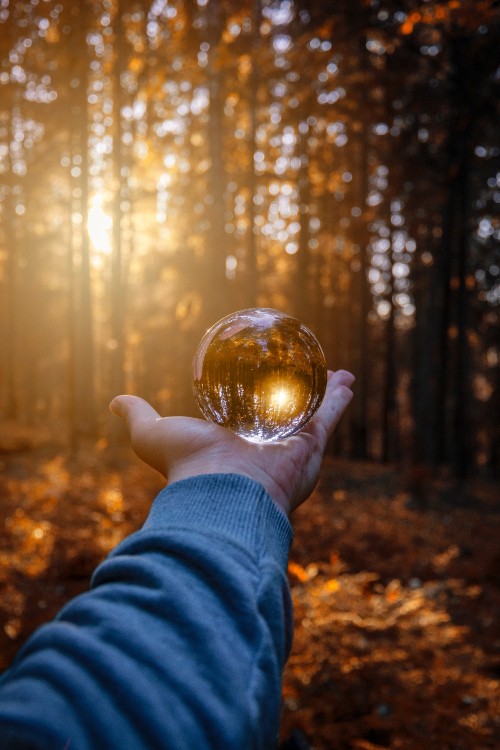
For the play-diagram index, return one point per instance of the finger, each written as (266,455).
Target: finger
(337,397)
(340,377)
(336,380)
(142,423)
(340,400)
(134,411)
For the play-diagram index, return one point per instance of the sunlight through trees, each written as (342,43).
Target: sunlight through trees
(165,163)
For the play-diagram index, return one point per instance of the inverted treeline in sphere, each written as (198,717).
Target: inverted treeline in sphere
(261,373)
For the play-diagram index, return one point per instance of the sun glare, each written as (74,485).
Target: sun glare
(99,228)
(280,397)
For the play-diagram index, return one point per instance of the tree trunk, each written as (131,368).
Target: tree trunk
(251,285)
(11,308)
(84,359)
(461,147)
(11,298)
(301,295)
(441,392)
(117,291)
(389,418)
(214,272)
(362,294)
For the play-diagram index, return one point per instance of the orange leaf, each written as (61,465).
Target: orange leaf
(298,571)
(332,585)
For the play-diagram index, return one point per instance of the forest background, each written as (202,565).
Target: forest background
(165,163)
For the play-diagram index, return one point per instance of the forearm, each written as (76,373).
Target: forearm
(182,639)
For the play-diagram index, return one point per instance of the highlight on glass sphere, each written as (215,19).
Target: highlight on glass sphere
(260,373)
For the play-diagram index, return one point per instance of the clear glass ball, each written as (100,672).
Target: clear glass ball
(260,373)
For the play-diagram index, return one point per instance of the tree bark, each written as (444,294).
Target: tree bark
(84,362)
(214,272)
(117,290)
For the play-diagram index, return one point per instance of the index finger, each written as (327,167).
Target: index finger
(337,397)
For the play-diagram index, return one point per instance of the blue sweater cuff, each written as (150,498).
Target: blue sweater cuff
(229,505)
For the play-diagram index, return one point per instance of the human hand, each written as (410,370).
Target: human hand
(182,447)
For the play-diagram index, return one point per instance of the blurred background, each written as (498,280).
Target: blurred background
(164,163)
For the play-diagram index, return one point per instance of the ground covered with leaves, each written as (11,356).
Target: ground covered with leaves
(396,588)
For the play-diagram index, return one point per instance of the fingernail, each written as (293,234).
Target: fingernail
(114,407)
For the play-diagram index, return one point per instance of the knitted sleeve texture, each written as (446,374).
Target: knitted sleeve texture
(180,642)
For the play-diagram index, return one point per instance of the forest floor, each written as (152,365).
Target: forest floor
(396,589)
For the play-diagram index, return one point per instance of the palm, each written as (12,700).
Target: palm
(179,447)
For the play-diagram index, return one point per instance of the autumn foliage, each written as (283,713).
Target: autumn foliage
(163,164)
(396,605)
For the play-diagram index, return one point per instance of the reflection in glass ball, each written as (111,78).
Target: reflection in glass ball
(260,373)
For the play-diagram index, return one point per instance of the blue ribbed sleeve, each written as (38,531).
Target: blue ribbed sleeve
(180,641)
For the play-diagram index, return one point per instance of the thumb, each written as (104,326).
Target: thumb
(141,421)
(135,412)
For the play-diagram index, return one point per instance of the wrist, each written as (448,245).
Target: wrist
(230,462)
(192,470)
(227,504)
